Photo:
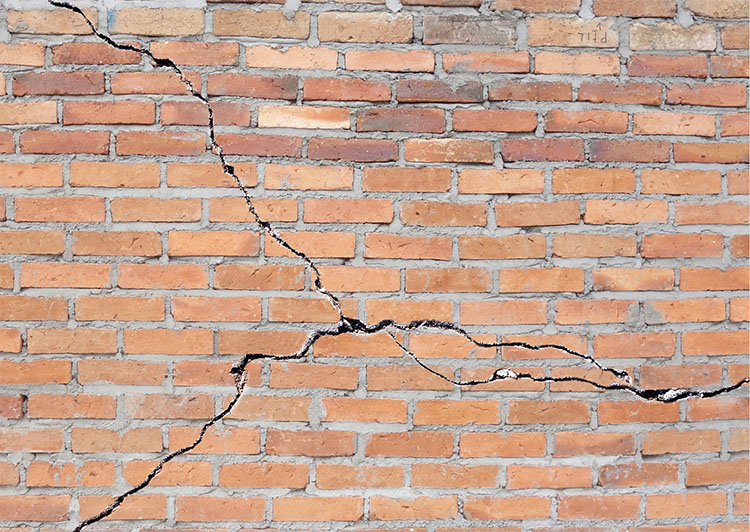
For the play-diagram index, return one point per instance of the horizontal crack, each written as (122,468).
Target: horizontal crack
(349,325)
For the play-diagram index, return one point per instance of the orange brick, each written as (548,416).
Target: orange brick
(378,245)
(685,505)
(196,53)
(583,443)
(500,62)
(291,57)
(155,276)
(369,410)
(157,22)
(684,310)
(541,280)
(456,413)
(432,213)
(448,280)
(715,343)
(407,378)
(538,91)
(266,277)
(516,508)
(302,375)
(151,82)
(405,311)
(377,27)
(79,340)
(125,372)
(66,474)
(714,279)
(114,175)
(120,243)
(536,477)
(199,372)
(584,245)
(353,279)
(92,53)
(348,210)
(448,151)
(599,212)
(96,440)
(456,477)
(524,214)
(717,408)
(272,408)
(35,372)
(347,345)
(340,476)
(526,311)
(213,243)
(630,345)
(155,210)
(532,412)
(191,473)
(508,445)
(15,113)
(31,175)
(51,142)
(264,475)
(674,441)
(387,509)
(674,124)
(695,66)
(317,509)
(120,112)
(116,308)
(711,473)
(161,406)
(410,444)
(239,309)
(727,213)
(599,507)
(64,275)
(682,245)
(168,342)
(510,181)
(635,8)
(54,83)
(629,151)
(22,54)
(204,508)
(680,182)
(310,443)
(558,120)
(633,279)
(307,310)
(71,406)
(625,92)
(483,247)
(229,440)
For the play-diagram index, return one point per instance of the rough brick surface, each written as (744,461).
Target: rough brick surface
(539,171)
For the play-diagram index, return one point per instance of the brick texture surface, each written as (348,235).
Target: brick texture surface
(541,171)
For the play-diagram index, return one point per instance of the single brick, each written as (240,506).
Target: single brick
(264,24)
(465,29)
(670,36)
(365,27)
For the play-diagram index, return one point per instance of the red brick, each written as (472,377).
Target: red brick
(583,443)
(172,474)
(633,279)
(543,150)
(210,175)
(711,473)
(674,441)
(125,372)
(735,37)
(236,210)
(252,86)
(695,66)
(24,308)
(541,280)
(625,92)
(537,91)
(347,345)
(615,412)
(161,406)
(196,114)
(456,413)
(410,444)
(22,54)
(52,142)
(711,153)
(213,243)
(120,112)
(92,53)
(421,91)
(152,82)
(729,67)
(630,345)
(313,244)
(58,83)
(404,311)
(532,412)
(448,151)
(15,113)
(684,310)
(629,151)
(168,342)
(523,214)
(30,175)
(306,310)
(680,182)
(302,375)
(345,89)
(716,94)
(717,408)
(35,372)
(598,311)
(359,150)
(558,120)
(160,143)
(735,124)
(348,210)
(223,309)
(448,280)
(401,119)
(494,120)
(540,6)
(536,477)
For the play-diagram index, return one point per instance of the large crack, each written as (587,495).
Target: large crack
(349,325)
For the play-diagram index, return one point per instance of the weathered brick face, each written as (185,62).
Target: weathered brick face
(569,172)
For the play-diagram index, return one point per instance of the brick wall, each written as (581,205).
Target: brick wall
(547,171)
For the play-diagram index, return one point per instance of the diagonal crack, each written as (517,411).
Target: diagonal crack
(349,325)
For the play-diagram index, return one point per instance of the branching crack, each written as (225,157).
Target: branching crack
(349,325)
